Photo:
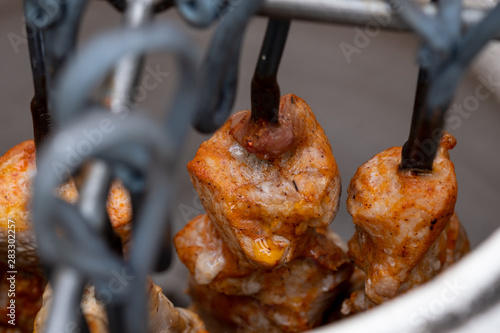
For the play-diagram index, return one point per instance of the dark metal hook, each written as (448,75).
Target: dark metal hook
(52,33)
(448,77)
(42,124)
(426,128)
(265,89)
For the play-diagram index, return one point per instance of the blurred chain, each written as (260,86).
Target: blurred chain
(199,13)
(77,244)
(219,72)
(132,143)
(96,182)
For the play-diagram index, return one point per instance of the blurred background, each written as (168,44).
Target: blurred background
(363,103)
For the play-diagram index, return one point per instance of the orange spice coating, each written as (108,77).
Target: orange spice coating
(289,298)
(405,233)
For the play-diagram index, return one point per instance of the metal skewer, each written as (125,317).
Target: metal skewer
(265,89)
(39,103)
(426,129)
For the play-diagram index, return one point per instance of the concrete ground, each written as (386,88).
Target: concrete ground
(364,106)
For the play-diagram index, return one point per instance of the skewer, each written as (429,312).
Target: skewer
(426,128)
(39,104)
(265,89)
(67,282)
(412,155)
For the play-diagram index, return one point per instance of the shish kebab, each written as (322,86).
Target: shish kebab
(246,133)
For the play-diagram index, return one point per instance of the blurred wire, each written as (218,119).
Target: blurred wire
(219,72)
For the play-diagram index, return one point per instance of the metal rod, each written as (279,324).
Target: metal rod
(265,89)
(68,283)
(128,69)
(426,128)
(356,12)
(39,104)
(65,311)
(412,156)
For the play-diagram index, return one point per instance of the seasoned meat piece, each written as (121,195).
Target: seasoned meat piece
(17,169)
(290,298)
(406,231)
(163,316)
(262,260)
(201,248)
(458,243)
(264,207)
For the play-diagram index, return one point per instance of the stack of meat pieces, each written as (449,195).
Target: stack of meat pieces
(262,259)
(406,227)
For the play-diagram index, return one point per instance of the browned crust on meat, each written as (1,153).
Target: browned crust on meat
(291,297)
(403,231)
